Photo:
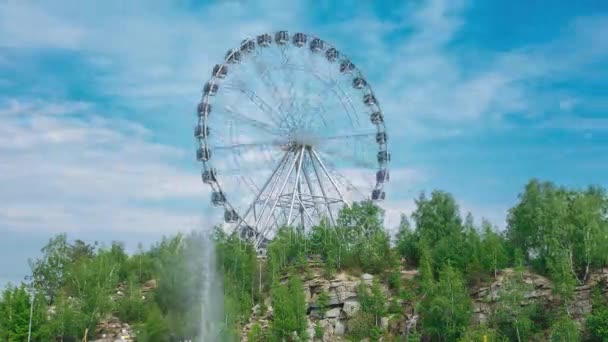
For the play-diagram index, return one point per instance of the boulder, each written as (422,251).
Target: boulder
(307,295)
(310,330)
(367,278)
(384,323)
(351,307)
(346,290)
(339,328)
(333,297)
(327,326)
(333,313)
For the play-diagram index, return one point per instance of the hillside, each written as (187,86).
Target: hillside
(442,278)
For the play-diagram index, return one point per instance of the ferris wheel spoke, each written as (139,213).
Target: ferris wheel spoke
(263,73)
(250,122)
(262,105)
(344,180)
(332,154)
(296,183)
(327,173)
(320,96)
(314,195)
(332,86)
(245,146)
(305,211)
(276,182)
(279,166)
(348,136)
(347,104)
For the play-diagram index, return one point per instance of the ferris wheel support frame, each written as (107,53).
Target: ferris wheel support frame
(293,160)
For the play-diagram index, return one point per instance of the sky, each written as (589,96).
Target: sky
(97,105)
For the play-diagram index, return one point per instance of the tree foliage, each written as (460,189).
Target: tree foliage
(289,311)
(446,310)
(560,232)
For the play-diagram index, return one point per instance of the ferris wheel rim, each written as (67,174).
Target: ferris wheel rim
(215,82)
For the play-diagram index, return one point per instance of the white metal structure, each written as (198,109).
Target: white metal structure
(289,131)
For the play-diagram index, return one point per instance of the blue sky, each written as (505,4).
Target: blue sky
(97,104)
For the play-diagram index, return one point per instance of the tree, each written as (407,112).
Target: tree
(49,271)
(446,310)
(91,282)
(407,242)
(255,334)
(597,321)
(426,268)
(14,313)
(155,328)
(482,333)
(437,217)
(510,317)
(565,329)
(289,305)
(550,220)
(493,251)
(242,279)
(323,302)
(67,319)
(471,252)
(559,265)
(373,302)
(325,242)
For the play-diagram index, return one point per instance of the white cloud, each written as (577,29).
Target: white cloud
(24,25)
(148,60)
(84,171)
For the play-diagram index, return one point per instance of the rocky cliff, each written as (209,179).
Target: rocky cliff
(344,303)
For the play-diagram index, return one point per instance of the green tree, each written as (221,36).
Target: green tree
(49,271)
(67,319)
(91,282)
(407,242)
(437,217)
(14,313)
(494,253)
(597,321)
(289,306)
(323,302)
(549,220)
(155,328)
(241,283)
(559,265)
(482,333)
(471,252)
(425,268)
(325,242)
(255,334)
(565,329)
(446,310)
(510,317)
(373,302)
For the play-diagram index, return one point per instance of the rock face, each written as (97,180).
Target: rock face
(344,303)
(111,329)
(539,289)
(351,307)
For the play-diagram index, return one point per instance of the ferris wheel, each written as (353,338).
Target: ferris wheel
(289,132)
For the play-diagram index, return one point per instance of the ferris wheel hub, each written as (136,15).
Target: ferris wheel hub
(304,138)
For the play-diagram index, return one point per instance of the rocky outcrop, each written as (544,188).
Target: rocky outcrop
(112,329)
(539,289)
(343,303)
